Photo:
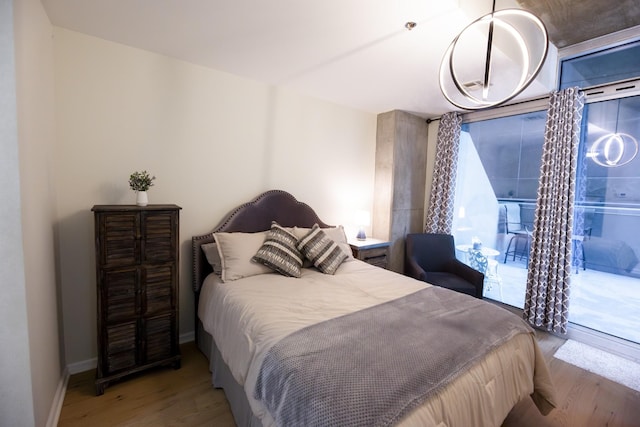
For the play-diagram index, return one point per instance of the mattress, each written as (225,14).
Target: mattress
(247,317)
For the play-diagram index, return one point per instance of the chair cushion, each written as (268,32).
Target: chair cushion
(451,281)
(613,256)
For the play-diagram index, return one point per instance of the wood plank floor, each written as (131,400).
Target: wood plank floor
(160,397)
(184,397)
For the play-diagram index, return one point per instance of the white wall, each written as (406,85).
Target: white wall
(213,140)
(16,404)
(36,135)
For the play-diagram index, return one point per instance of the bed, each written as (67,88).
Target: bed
(348,344)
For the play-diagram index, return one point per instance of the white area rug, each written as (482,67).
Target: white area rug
(600,362)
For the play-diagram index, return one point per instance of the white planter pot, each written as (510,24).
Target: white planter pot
(141,198)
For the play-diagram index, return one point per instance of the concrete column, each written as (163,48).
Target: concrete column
(399,199)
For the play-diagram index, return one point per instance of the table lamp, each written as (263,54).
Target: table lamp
(363,219)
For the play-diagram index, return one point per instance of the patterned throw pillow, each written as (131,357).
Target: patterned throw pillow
(321,250)
(279,252)
(336,234)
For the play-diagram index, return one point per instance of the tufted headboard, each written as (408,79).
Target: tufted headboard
(251,217)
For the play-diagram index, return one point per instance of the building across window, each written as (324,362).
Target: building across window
(605,66)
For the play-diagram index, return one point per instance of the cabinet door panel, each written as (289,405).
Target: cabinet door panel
(159,288)
(121,347)
(158,236)
(120,245)
(120,296)
(158,334)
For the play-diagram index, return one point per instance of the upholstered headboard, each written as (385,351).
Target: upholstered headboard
(251,217)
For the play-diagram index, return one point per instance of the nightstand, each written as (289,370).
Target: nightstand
(371,251)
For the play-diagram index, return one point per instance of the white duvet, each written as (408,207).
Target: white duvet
(248,316)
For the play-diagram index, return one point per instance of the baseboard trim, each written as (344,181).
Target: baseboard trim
(86,365)
(187,337)
(82,366)
(58,399)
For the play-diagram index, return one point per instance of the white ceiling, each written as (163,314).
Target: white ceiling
(352,52)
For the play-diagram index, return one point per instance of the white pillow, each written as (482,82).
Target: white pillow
(213,256)
(336,234)
(236,251)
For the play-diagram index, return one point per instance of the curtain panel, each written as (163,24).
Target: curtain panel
(443,187)
(548,279)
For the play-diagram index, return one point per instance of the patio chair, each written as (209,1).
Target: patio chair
(580,235)
(488,267)
(520,241)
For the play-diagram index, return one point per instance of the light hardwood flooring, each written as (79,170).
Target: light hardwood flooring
(185,397)
(584,399)
(160,397)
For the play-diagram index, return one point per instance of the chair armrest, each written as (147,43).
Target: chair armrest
(412,269)
(471,275)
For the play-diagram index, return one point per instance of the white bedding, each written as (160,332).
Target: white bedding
(246,317)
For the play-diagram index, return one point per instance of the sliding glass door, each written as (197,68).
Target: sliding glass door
(498,173)
(605,291)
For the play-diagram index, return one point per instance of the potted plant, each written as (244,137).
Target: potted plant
(140,183)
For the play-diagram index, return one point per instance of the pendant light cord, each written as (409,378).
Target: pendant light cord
(487,63)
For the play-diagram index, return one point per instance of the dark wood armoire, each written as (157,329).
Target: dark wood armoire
(137,285)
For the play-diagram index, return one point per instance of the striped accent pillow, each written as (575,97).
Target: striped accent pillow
(279,252)
(321,250)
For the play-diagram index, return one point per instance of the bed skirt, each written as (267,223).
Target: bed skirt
(221,377)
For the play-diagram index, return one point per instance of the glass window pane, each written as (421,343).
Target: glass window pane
(606,66)
(608,180)
(510,150)
(496,188)
(604,291)
(498,166)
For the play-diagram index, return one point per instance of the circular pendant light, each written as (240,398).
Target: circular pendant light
(613,150)
(493,59)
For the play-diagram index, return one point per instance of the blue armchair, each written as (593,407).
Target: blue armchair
(432,258)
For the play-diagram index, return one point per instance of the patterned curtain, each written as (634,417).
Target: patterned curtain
(547,296)
(443,186)
(581,224)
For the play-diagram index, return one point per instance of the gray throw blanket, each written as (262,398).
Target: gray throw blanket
(372,367)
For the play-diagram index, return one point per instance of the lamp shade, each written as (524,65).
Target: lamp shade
(362,219)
